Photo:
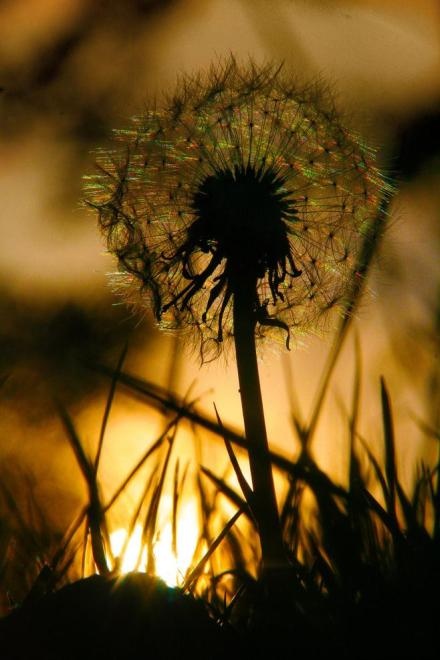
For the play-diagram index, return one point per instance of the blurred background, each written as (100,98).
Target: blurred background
(70,71)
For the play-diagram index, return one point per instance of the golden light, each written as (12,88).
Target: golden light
(171,563)
(129,553)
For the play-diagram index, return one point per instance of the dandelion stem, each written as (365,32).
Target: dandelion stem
(264,503)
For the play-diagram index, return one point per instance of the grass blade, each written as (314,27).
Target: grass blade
(96,513)
(198,570)
(390,449)
(245,488)
(229,493)
(108,407)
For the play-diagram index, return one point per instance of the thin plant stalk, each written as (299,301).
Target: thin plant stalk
(264,498)
(369,249)
(96,521)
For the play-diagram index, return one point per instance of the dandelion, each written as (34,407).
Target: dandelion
(237,210)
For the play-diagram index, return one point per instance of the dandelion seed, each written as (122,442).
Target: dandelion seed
(241,171)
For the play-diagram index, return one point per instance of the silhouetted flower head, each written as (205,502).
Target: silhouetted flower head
(242,174)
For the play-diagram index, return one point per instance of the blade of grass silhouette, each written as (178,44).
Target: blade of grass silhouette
(411,510)
(238,544)
(291,514)
(390,450)
(377,469)
(235,545)
(108,406)
(381,513)
(228,608)
(394,485)
(356,398)
(153,509)
(208,508)
(174,510)
(354,474)
(178,485)
(423,501)
(136,515)
(370,245)
(422,486)
(389,518)
(308,470)
(84,549)
(436,505)
(96,514)
(198,570)
(245,488)
(433,483)
(229,492)
(68,539)
(356,504)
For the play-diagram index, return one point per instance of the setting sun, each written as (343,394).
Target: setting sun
(170,565)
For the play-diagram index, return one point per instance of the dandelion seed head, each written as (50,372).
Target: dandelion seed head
(242,172)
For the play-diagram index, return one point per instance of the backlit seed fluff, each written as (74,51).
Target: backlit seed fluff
(242,173)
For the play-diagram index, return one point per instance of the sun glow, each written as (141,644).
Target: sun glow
(171,564)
